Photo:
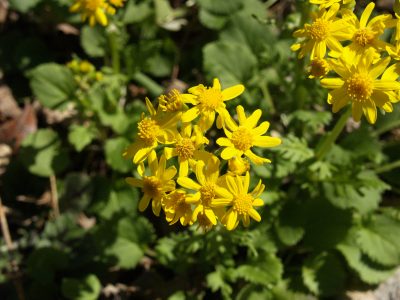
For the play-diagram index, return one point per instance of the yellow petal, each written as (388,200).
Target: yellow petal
(188,183)
(184,168)
(252,121)
(228,153)
(141,155)
(220,191)
(232,92)
(369,110)
(266,141)
(144,202)
(246,182)
(356,111)
(134,182)
(101,17)
(258,202)
(216,84)
(169,173)
(366,14)
(221,202)
(200,174)
(231,220)
(254,214)
(224,142)
(379,68)
(190,115)
(241,115)
(210,215)
(385,85)
(332,83)
(255,158)
(261,129)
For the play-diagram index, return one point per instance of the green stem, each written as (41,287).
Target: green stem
(153,87)
(326,144)
(267,97)
(388,167)
(115,57)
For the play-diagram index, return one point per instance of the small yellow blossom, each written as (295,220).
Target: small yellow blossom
(209,100)
(176,209)
(328,3)
(241,138)
(155,186)
(242,204)
(93,10)
(238,166)
(207,189)
(188,148)
(151,131)
(359,85)
(319,67)
(326,31)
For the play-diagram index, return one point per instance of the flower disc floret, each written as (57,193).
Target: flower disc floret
(364,37)
(207,192)
(185,148)
(319,29)
(242,139)
(243,203)
(152,186)
(360,87)
(172,102)
(148,130)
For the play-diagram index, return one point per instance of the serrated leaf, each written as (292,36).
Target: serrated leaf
(52,84)
(217,281)
(312,119)
(317,275)
(94,41)
(368,272)
(80,136)
(87,288)
(41,153)
(295,149)
(379,240)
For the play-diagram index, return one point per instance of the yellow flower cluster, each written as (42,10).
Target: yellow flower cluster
(84,71)
(352,49)
(96,11)
(176,134)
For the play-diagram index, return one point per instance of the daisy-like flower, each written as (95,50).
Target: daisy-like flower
(151,131)
(359,85)
(241,138)
(207,189)
(243,202)
(319,67)
(155,186)
(326,31)
(93,10)
(176,209)
(209,100)
(329,3)
(187,148)
(365,32)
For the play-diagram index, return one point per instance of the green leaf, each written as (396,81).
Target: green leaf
(326,225)
(123,253)
(361,192)
(233,63)
(290,224)
(23,5)
(217,281)
(221,7)
(368,272)
(379,240)
(80,136)
(312,119)
(94,41)
(113,150)
(41,153)
(75,192)
(295,149)
(324,275)
(87,288)
(52,84)
(43,264)
(137,12)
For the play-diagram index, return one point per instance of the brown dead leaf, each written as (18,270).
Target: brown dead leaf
(8,106)
(67,29)
(5,155)
(3,11)
(86,222)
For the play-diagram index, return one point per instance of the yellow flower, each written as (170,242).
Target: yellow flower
(171,102)
(207,189)
(359,85)
(118,3)
(86,67)
(156,185)
(187,148)
(238,166)
(328,3)
(176,209)
(207,101)
(151,131)
(365,34)
(94,10)
(241,138)
(319,67)
(326,31)
(243,202)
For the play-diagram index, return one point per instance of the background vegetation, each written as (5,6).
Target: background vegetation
(328,225)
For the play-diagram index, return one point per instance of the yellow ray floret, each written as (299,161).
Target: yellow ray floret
(92,10)
(328,3)
(359,85)
(210,100)
(241,138)
(207,188)
(155,186)
(176,209)
(242,204)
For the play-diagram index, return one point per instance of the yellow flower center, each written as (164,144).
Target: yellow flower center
(242,139)
(207,194)
(185,148)
(319,29)
(93,5)
(364,37)
(319,67)
(152,186)
(360,87)
(177,200)
(211,98)
(171,102)
(148,130)
(243,203)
